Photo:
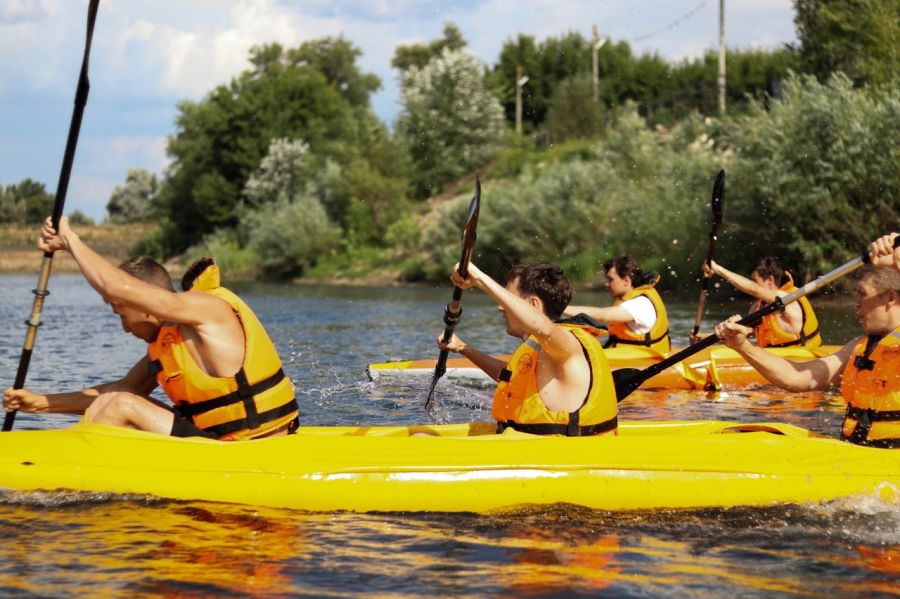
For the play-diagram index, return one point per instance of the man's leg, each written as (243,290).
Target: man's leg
(128,410)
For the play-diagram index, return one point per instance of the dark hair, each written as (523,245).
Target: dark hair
(148,270)
(769,267)
(546,281)
(626,266)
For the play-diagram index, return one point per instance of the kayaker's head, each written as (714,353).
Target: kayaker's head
(541,284)
(140,324)
(769,273)
(878,300)
(622,274)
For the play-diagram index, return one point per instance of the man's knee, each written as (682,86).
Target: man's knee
(113,408)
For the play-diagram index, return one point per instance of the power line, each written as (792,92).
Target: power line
(673,24)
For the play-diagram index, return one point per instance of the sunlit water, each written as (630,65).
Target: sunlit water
(62,543)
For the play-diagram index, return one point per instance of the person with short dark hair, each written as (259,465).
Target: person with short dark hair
(206,349)
(797,325)
(558,381)
(638,315)
(867,369)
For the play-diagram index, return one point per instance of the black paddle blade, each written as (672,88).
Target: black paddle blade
(626,380)
(469,236)
(718,195)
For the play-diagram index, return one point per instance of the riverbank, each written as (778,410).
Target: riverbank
(19,253)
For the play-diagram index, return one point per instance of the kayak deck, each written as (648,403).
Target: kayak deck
(717,367)
(649,465)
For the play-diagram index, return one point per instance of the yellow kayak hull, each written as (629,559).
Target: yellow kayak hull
(716,367)
(459,468)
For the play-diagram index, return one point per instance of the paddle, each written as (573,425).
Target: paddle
(81,96)
(626,380)
(718,195)
(453,311)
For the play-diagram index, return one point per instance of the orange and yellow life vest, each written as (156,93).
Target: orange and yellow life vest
(658,335)
(518,404)
(259,398)
(770,333)
(871,386)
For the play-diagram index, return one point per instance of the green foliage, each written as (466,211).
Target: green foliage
(817,175)
(573,113)
(314,93)
(858,37)
(26,202)
(235,260)
(416,56)
(79,218)
(636,191)
(290,235)
(663,92)
(450,122)
(133,201)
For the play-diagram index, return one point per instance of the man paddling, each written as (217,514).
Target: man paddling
(206,349)
(558,381)
(796,326)
(638,315)
(884,253)
(867,368)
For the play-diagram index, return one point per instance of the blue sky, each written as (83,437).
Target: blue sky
(149,54)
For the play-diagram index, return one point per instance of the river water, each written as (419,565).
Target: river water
(59,543)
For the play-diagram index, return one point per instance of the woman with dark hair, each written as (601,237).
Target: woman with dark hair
(796,325)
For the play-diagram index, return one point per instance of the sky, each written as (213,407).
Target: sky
(148,55)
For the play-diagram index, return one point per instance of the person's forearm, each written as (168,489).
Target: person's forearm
(102,276)
(737,281)
(489,364)
(777,370)
(535,322)
(606,314)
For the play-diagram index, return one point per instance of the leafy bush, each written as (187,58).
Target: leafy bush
(450,122)
(816,176)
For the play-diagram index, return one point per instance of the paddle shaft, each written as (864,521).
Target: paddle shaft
(41,292)
(453,311)
(629,379)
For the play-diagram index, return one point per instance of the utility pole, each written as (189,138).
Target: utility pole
(520,81)
(721,56)
(596,44)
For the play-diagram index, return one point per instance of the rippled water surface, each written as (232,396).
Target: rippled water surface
(61,543)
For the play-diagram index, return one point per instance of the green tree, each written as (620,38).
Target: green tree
(133,201)
(450,123)
(817,174)
(314,93)
(573,112)
(419,55)
(80,218)
(26,202)
(287,226)
(859,37)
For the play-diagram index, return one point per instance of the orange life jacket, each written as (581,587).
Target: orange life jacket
(871,386)
(518,404)
(770,333)
(658,335)
(259,398)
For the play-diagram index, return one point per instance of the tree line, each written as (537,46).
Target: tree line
(286,168)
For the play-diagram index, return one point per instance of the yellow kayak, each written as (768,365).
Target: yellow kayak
(717,367)
(649,465)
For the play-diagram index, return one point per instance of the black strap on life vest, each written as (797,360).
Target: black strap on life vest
(568,430)
(245,394)
(613,341)
(862,361)
(864,418)
(802,340)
